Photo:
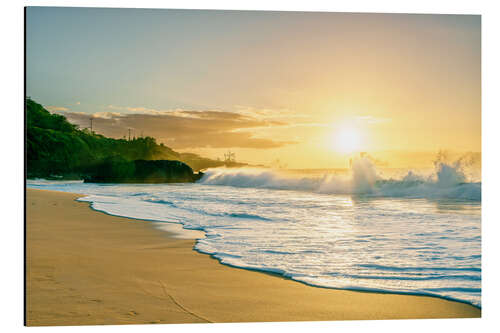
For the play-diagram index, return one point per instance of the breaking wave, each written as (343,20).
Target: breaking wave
(449,180)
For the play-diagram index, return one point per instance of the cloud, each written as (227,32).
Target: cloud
(266,113)
(103,115)
(56,108)
(181,129)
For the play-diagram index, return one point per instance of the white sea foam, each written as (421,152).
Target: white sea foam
(448,181)
(417,233)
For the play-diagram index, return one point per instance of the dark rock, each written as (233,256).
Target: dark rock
(119,170)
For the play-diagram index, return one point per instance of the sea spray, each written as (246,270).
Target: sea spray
(364,175)
(449,180)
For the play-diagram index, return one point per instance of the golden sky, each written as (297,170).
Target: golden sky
(309,89)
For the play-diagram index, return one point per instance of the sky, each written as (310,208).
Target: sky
(301,90)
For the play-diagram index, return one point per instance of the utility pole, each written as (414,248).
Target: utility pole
(229,157)
(129,134)
(91,130)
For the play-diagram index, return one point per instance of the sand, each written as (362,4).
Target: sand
(85,268)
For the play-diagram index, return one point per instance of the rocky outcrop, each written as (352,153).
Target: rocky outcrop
(118,170)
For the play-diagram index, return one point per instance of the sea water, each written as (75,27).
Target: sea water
(415,234)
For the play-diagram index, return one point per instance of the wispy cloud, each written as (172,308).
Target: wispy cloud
(182,129)
(267,113)
(56,108)
(105,115)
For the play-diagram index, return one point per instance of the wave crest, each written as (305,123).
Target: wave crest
(448,181)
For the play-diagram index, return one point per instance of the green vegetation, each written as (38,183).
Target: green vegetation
(58,149)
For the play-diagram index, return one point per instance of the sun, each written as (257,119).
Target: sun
(347,139)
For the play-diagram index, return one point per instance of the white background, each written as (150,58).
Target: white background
(12,164)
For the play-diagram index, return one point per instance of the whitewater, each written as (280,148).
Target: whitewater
(414,233)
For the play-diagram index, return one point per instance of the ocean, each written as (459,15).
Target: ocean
(410,232)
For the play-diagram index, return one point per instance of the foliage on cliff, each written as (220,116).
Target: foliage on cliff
(57,148)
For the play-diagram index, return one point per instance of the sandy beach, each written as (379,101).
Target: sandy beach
(86,268)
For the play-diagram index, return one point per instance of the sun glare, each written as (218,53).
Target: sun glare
(347,139)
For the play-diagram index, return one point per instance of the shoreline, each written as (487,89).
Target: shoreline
(82,269)
(368,291)
(170,227)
